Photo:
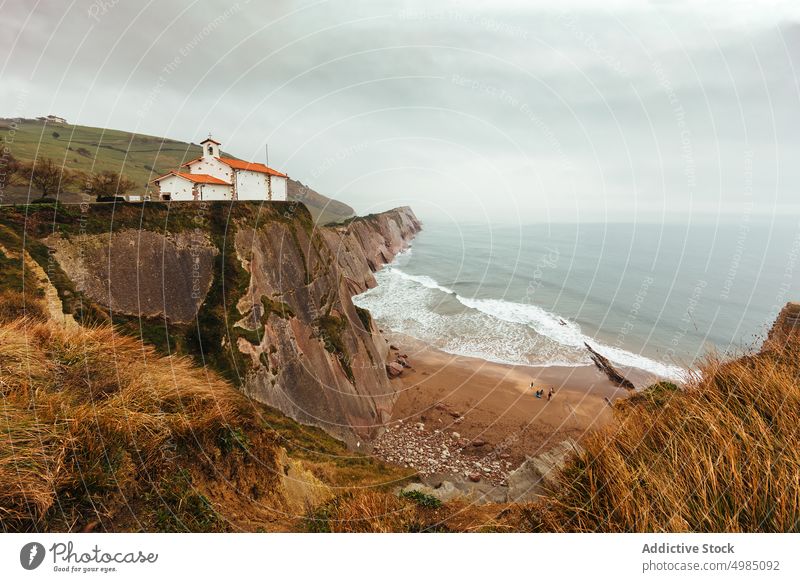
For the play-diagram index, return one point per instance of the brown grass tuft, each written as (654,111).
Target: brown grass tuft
(364,511)
(91,422)
(721,455)
(14,305)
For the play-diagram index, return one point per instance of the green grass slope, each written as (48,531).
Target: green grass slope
(139,157)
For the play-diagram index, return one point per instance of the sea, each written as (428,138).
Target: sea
(652,296)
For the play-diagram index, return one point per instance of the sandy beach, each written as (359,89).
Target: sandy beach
(486,401)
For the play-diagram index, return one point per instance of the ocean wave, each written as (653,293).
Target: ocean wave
(491,329)
(543,322)
(567,333)
(423,280)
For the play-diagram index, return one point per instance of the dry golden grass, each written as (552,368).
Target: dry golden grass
(364,511)
(15,305)
(91,420)
(99,432)
(721,455)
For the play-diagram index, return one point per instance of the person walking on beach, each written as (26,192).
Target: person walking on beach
(550,395)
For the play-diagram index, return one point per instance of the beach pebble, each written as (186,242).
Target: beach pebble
(429,452)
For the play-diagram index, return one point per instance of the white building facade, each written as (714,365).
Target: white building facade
(213,177)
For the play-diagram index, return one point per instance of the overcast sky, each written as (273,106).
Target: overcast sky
(503,110)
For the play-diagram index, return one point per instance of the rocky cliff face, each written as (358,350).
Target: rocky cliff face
(363,245)
(314,355)
(172,277)
(256,291)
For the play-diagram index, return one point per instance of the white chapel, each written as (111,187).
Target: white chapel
(212,177)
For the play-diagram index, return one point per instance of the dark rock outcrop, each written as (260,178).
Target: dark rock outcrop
(394,369)
(608,369)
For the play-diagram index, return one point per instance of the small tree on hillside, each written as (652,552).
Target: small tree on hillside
(10,170)
(108,184)
(47,176)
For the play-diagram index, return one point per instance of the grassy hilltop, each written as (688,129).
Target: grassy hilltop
(140,158)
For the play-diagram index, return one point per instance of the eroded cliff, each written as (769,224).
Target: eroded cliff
(255,291)
(314,355)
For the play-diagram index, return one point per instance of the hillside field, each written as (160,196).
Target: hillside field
(139,157)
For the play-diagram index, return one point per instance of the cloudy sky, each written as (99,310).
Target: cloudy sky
(506,110)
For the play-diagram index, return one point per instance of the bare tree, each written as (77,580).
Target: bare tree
(9,170)
(46,176)
(108,184)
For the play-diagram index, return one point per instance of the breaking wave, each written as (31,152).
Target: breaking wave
(491,329)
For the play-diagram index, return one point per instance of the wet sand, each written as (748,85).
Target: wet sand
(494,402)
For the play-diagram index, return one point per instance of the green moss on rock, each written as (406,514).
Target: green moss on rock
(366,318)
(278,308)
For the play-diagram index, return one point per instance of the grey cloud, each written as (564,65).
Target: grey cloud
(573,107)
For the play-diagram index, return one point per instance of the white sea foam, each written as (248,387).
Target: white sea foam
(566,333)
(403,256)
(492,329)
(423,280)
(544,323)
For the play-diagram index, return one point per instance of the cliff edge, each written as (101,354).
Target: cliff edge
(784,335)
(256,291)
(317,357)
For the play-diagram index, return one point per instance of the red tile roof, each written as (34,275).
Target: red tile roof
(197,178)
(251,166)
(242,165)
